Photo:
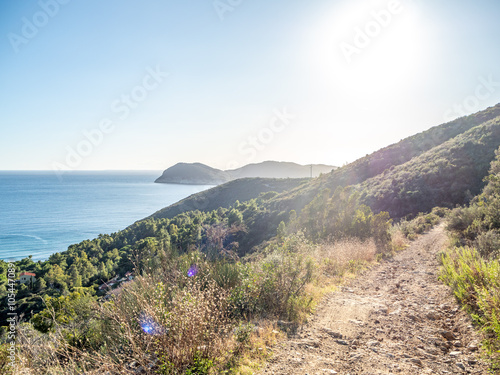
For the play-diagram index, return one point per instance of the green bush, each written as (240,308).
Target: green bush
(419,225)
(479,224)
(5,367)
(476,284)
(275,285)
(284,276)
(342,216)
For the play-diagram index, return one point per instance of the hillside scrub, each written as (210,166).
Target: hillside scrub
(422,222)
(478,225)
(472,268)
(194,321)
(449,174)
(409,192)
(341,215)
(476,284)
(189,311)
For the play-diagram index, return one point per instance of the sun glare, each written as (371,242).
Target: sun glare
(371,47)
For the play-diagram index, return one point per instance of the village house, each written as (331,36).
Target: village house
(27,278)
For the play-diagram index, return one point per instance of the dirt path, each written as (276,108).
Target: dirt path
(395,319)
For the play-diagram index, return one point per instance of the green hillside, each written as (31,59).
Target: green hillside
(227,194)
(449,174)
(471,267)
(295,193)
(382,160)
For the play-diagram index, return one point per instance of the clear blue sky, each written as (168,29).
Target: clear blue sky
(155,82)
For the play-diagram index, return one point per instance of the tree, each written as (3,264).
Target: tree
(40,285)
(74,276)
(281,231)
(56,277)
(234,218)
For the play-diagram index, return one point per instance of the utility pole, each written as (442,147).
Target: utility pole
(311,171)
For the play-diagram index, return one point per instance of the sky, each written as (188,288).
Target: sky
(131,85)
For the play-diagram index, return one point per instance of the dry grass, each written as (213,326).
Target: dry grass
(149,328)
(336,259)
(399,240)
(171,328)
(257,348)
(50,354)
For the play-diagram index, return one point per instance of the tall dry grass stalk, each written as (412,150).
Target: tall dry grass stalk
(341,256)
(167,327)
(399,240)
(49,354)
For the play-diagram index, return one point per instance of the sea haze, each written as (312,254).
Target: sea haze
(41,213)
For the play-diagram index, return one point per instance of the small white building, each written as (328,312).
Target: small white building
(27,278)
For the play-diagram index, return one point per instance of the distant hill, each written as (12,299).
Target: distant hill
(276,169)
(193,174)
(201,174)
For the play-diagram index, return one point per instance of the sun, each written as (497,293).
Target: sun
(370,46)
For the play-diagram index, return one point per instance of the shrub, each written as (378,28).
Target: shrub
(283,277)
(419,225)
(488,244)
(461,220)
(398,240)
(440,211)
(184,325)
(5,367)
(476,284)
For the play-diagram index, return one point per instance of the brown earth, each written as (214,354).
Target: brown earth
(397,318)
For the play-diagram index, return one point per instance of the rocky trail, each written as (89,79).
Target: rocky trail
(397,318)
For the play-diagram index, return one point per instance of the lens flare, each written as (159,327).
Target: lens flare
(192,271)
(149,325)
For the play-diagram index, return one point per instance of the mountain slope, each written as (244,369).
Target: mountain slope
(378,192)
(379,161)
(447,175)
(227,194)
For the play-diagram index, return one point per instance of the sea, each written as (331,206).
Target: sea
(42,213)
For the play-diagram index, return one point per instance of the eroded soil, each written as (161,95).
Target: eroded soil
(397,318)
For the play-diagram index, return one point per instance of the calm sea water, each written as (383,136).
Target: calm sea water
(41,214)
